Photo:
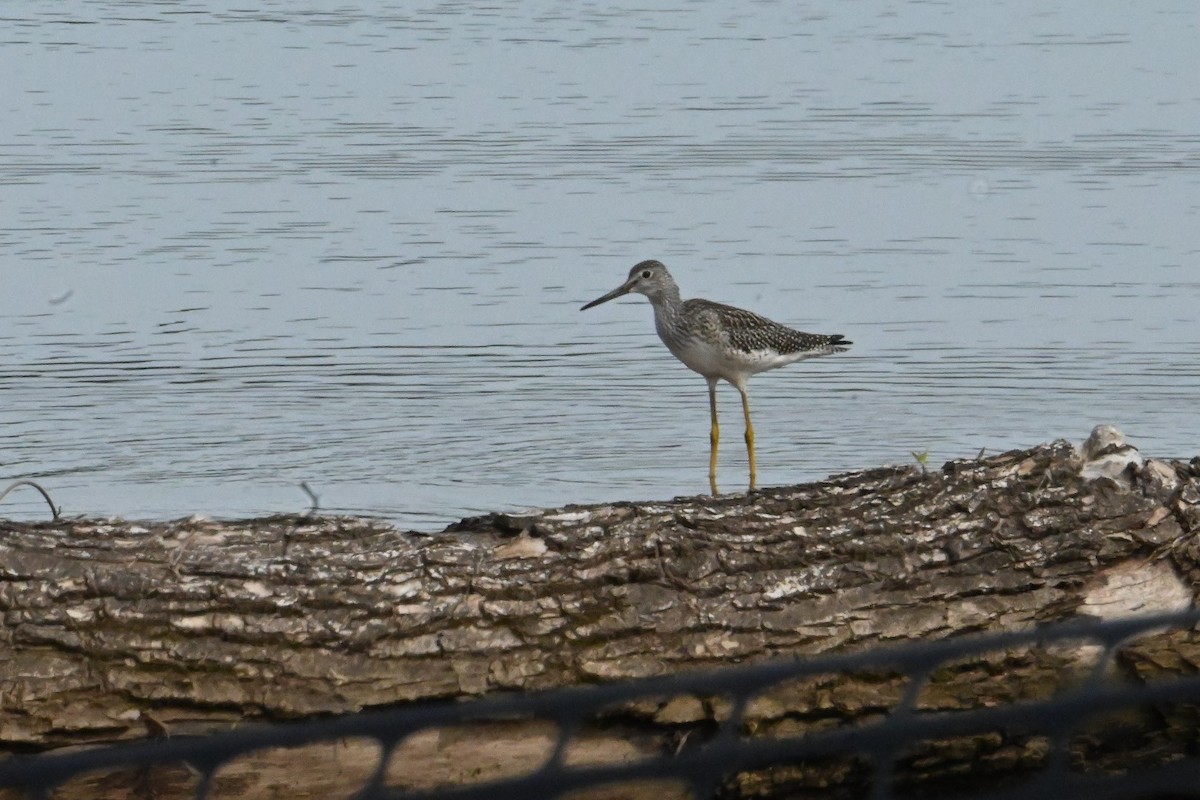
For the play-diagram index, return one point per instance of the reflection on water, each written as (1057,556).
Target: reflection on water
(243,250)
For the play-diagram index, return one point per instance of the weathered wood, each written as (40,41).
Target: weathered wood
(116,629)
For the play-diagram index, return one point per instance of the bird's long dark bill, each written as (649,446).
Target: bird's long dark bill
(617,292)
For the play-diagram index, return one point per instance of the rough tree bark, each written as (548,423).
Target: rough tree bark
(113,629)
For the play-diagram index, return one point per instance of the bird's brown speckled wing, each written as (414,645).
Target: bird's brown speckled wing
(750,332)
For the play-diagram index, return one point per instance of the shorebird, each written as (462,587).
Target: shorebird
(721,343)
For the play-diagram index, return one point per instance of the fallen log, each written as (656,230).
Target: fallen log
(116,630)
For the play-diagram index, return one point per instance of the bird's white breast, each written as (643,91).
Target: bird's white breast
(711,361)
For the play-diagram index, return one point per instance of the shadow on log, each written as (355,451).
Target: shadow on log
(117,630)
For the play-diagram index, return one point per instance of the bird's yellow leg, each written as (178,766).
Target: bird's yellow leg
(714,437)
(749,437)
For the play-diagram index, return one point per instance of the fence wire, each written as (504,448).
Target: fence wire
(706,768)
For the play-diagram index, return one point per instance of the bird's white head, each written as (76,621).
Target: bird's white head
(647,277)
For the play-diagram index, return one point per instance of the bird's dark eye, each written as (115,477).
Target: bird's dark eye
(645,273)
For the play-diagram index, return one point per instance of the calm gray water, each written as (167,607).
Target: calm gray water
(244,249)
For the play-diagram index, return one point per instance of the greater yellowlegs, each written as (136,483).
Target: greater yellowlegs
(720,342)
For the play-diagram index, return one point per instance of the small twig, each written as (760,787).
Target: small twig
(50,502)
(312,510)
(316,501)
